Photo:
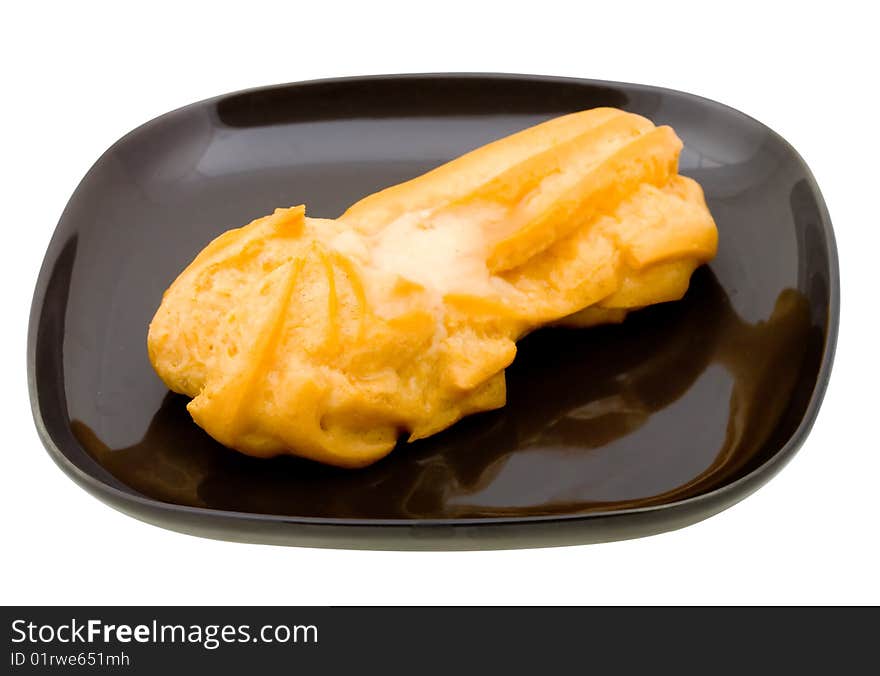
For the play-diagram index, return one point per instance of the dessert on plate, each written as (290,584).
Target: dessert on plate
(331,338)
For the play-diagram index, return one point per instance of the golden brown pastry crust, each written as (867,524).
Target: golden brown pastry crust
(329,338)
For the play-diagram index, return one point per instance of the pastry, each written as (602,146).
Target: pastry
(331,338)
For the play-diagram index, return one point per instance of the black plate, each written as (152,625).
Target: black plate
(609,433)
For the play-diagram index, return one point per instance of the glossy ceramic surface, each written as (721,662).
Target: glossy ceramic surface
(609,433)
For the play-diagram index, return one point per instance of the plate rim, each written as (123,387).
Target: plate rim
(736,489)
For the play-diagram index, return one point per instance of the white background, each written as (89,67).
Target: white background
(77,76)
